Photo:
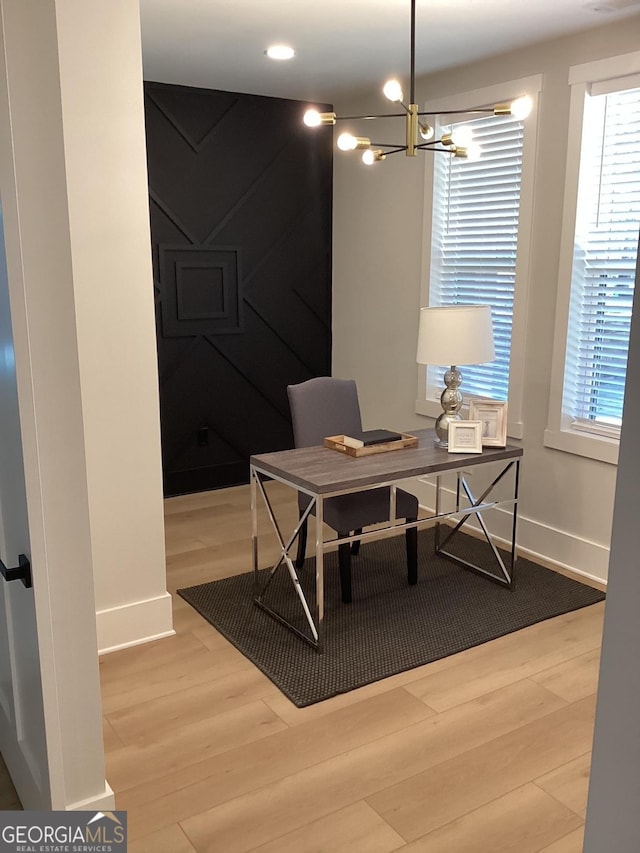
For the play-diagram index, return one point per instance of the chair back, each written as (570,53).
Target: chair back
(321,407)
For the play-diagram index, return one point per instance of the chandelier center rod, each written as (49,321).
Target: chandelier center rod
(412,98)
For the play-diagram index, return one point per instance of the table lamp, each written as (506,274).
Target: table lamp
(453,335)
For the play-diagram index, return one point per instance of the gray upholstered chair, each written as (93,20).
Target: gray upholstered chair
(326,406)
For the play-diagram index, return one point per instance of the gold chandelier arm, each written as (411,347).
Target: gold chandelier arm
(468,111)
(370,118)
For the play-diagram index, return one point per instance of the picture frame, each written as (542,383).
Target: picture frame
(465,437)
(493,416)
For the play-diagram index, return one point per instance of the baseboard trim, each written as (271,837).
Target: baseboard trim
(105,801)
(536,557)
(557,549)
(561,568)
(134,623)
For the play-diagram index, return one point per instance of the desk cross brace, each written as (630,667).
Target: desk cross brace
(476,507)
(284,557)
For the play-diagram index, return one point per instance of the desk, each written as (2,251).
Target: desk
(322,473)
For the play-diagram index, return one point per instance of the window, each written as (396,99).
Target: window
(599,270)
(604,261)
(475,241)
(477,226)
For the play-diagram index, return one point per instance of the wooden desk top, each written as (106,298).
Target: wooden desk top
(320,471)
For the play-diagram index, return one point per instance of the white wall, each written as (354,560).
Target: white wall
(41,253)
(566,500)
(105,158)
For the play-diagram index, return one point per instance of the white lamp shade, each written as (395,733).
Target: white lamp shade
(455,334)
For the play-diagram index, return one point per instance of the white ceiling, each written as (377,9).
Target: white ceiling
(344,45)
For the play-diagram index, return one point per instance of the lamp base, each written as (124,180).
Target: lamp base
(442,429)
(451,401)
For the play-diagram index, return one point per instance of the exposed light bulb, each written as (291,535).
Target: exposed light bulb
(392,90)
(369,157)
(462,135)
(426,131)
(521,107)
(314,118)
(347,142)
(474,151)
(280,51)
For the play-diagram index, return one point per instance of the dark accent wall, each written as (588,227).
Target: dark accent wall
(240,200)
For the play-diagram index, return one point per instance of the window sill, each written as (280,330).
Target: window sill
(592,446)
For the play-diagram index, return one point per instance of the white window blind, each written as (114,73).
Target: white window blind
(604,262)
(474,241)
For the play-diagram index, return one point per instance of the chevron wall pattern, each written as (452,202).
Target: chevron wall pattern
(240,203)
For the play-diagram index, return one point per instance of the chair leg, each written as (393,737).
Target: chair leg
(412,553)
(355,546)
(302,545)
(344,564)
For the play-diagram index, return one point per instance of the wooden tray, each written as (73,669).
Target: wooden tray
(336,442)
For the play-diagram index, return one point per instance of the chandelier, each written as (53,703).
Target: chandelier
(419,132)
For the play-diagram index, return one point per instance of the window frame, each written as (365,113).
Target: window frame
(428,397)
(560,434)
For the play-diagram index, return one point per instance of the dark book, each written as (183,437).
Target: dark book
(372,436)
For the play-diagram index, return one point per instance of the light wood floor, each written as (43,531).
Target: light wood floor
(484,752)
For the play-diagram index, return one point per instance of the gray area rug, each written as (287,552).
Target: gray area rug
(390,626)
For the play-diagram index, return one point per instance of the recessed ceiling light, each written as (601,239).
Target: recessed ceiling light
(280,51)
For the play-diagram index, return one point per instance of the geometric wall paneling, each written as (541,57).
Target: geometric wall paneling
(275,295)
(192,112)
(272,191)
(168,228)
(201,290)
(258,358)
(240,210)
(230,436)
(201,188)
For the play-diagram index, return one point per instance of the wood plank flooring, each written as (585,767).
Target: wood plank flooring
(487,751)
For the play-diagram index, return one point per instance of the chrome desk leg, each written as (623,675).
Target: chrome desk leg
(437,530)
(392,504)
(286,559)
(516,486)
(476,508)
(506,576)
(254,527)
(320,571)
